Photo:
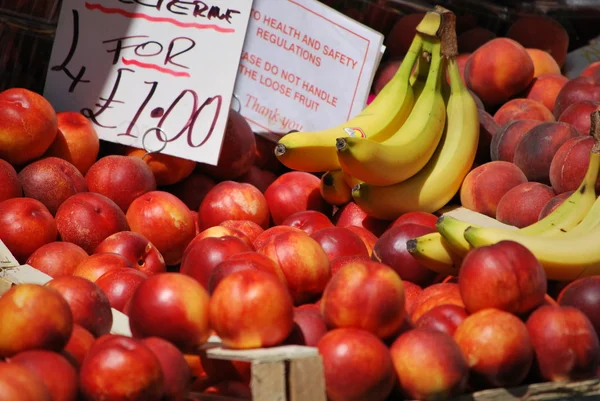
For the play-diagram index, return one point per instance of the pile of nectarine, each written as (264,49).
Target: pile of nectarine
(251,252)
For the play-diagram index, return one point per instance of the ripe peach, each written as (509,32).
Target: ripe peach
(34,317)
(522,109)
(203,255)
(20,383)
(411,294)
(521,206)
(400,37)
(436,295)
(337,263)
(422,218)
(578,115)
(89,305)
(565,343)
(230,200)
(106,373)
(308,329)
(488,127)
(26,226)
(485,185)
(365,295)
(543,62)
(79,344)
(261,179)
(243,261)
(238,311)
(28,128)
(263,238)
(592,70)
(553,203)
(357,365)
(576,90)
(391,250)
(545,89)
(136,248)
(57,258)
(221,231)
(98,264)
(541,32)
(570,163)
(167,169)
(497,348)
(87,218)
(121,179)
(303,262)
(534,152)
(309,221)
(174,298)
(193,189)
(249,228)
(505,276)
(293,192)
(352,215)
(472,39)
(505,140)
(444,318)
(583,295)
(429,365)
(76,141)
(58,375)
(385,74)
(176,371)
(338,241)
(367,237)
(11,187)
(119,285)
(498,70)
(51,181)
(165,221)
(238,150)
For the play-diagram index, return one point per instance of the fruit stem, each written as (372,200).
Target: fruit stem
(595,130)
(280,150)
(341,144)
(448,33)
(356,188)
(327,179)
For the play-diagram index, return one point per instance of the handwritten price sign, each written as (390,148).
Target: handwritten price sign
(162,67)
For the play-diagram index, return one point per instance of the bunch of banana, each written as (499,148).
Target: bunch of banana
(381,119)
(417,160)
(567,241)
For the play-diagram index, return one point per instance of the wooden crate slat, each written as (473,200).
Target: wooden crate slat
(215,350)
(572,391)
(307,379)
(268,381)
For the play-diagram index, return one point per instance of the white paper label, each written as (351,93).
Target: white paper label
(131,66)
(304,66)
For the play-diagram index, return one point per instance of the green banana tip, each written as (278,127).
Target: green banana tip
(469,234)
(440,220)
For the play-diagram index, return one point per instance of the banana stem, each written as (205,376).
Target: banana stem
(341,144)
(280,150)
(595,130)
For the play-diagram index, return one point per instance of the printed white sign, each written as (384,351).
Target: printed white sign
(162,67)
(304,66)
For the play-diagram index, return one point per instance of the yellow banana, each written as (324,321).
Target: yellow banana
(563,258)
(436,184)
(410,148)
(316,151)
(334,188)
(438,251)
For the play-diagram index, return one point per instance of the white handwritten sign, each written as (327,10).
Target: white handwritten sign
(304,66)
(132,66)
